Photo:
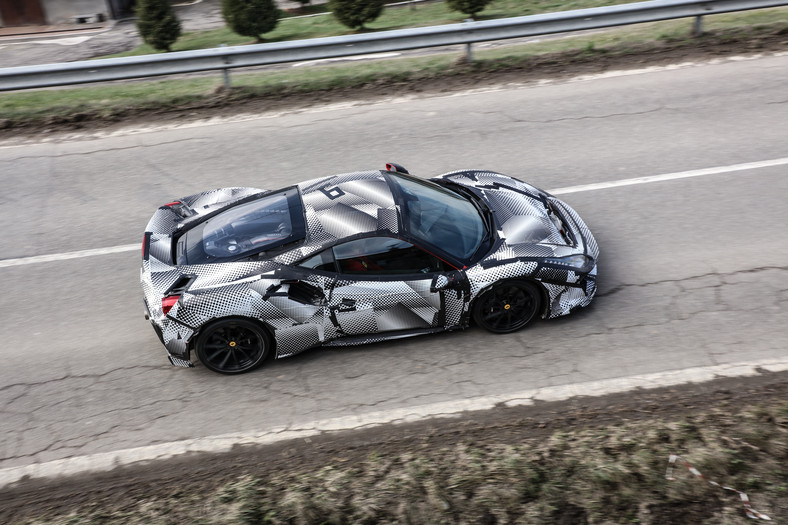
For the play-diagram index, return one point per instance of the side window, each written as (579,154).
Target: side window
(322,261)
(384,255)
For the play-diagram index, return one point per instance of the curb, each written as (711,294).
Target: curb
(107,461)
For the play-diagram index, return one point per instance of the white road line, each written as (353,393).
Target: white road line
(671,176)
(70,255)
(559,191)
(107,461)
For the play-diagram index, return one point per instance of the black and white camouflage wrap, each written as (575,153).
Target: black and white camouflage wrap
(301,310)
(518,256)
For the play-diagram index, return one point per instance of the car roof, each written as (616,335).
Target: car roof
(349,204)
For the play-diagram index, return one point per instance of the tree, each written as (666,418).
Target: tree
(469,7)
(251,17)
(157,23)
(355,13)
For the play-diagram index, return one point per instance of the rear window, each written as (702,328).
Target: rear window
(245,230)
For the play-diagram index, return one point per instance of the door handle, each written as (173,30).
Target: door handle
(347,305)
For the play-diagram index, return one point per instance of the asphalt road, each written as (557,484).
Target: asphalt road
(693,271)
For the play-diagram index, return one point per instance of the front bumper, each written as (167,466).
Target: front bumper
(567,298)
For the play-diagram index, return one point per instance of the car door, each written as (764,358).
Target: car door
(385,284)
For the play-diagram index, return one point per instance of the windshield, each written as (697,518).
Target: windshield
(246,229)
(441,217)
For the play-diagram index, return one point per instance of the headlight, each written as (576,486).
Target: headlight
(576,262)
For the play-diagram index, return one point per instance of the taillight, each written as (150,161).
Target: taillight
(168,302)
(173,203)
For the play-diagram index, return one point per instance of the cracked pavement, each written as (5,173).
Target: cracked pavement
(675,323)
(693,272)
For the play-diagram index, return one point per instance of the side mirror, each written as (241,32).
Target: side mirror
(446,281)
(390,166)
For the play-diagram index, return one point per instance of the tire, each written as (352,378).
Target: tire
(232,345)
(508,306)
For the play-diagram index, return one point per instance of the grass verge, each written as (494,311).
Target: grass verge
(609,474)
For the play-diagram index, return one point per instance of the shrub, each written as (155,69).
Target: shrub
(157,23)
(251,17)
(469,7)
(355,13)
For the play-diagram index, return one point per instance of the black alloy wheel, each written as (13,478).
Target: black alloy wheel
(507,307)
(232,346)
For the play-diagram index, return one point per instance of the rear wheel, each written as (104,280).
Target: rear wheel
(507,307)
(232,346)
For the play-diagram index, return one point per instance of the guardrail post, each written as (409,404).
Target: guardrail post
(697,26)
(226,72)
(468,51)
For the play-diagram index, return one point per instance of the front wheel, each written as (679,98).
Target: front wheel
(232,346)
(507,306)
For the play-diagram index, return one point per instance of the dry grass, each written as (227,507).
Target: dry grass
(614,474)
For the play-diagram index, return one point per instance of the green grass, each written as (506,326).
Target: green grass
(119,100)
(40,103)
(400,17)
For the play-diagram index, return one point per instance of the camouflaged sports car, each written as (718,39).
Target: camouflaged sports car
(239,274)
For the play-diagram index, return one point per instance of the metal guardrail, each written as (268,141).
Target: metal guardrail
(224,58)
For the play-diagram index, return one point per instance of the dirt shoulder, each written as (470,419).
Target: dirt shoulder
(586,460)
(461,76)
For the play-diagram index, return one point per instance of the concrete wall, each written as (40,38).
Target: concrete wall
(63,11)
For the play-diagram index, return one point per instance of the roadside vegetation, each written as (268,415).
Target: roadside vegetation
(612,474)
(103,104)
(157,24)
(251,18)
(471,8)
(294,27)
(355,13)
